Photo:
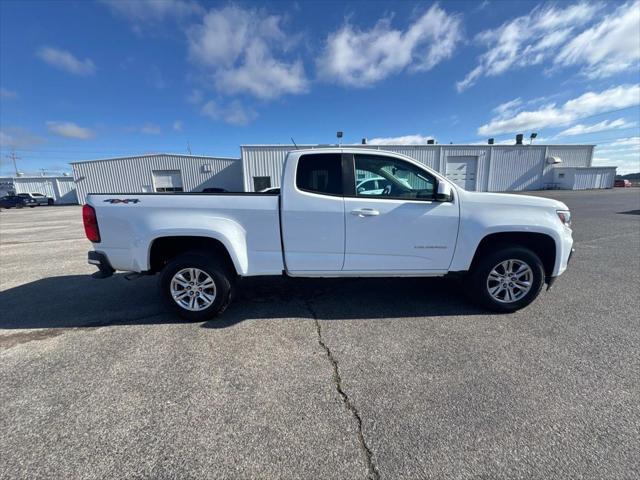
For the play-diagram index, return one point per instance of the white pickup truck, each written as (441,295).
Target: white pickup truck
(326,223)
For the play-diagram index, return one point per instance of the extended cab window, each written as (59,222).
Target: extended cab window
(386,177)
(320,173)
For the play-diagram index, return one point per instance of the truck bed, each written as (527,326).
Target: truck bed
(130,222)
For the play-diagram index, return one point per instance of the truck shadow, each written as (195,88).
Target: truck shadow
(78,301)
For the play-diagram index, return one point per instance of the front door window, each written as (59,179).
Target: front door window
(392,178)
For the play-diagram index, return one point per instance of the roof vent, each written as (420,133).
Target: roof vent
(491,141)
(519,138)
(431,141)
(364,141)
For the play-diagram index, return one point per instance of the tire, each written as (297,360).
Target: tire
(499,293)
(180,269)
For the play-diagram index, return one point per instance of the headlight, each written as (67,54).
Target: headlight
(565,217)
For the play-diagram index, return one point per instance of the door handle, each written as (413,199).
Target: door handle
(365,212)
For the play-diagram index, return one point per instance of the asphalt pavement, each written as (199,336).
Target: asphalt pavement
(301,378)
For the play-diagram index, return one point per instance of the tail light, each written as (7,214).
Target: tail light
(90,223)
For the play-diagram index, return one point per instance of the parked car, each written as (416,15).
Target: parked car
(506,247)
(622,182)
(38,198)
(14,201)
(372,186)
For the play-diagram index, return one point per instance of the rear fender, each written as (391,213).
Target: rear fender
(226,231)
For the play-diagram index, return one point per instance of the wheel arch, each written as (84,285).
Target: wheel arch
(165,248)
(542,244)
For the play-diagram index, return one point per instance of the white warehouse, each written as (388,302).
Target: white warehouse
(156,173)
(61,189)
(494,168)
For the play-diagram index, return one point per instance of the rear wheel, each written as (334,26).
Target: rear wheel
(196,286)
(507,279)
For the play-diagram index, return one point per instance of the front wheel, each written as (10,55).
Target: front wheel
(196,286)
(507,279)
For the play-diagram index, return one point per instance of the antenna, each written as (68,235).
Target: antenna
(294,143)
(189,147)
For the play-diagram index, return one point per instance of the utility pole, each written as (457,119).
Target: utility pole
(13,158)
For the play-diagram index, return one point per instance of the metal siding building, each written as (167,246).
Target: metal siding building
(494,168)
(583,178)
(62,189)
(497,168)
(157,172)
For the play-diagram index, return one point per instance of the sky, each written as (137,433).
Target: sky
(86,80)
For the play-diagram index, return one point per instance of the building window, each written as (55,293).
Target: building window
(260,183)
(167,180)
(561,175)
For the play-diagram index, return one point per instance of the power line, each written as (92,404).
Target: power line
(13,157)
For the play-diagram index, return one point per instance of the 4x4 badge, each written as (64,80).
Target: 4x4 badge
(122,200)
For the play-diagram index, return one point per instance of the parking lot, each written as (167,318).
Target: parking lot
(348,378)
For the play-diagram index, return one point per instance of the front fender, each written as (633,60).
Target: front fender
(474,230)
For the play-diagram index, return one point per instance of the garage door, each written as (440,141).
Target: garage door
(167,180)
(462,171)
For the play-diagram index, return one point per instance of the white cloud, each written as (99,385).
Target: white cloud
(625,164)
(623,152)
(16,137)
(177,126)
(234,113)
(605,125)
(8,94)
(508,108)
(196,96)
(241,48)
(528,40)
(141,11)
(360,58)
(609,47)
(416,139)
(70,130)
(64,60)
(151,129)
(624,142)
(551,115)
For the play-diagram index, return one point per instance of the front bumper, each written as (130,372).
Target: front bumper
(101,261)
(551,280)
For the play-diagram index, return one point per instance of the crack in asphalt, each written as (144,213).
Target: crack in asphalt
(373,473)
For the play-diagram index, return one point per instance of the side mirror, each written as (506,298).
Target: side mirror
(445,192)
